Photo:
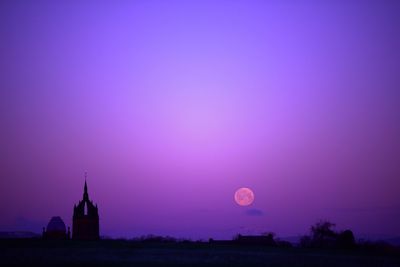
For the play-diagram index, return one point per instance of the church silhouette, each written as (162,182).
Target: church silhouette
(85,221)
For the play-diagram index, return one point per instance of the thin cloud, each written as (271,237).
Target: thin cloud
(254,212)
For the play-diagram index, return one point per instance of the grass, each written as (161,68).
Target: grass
(36,252)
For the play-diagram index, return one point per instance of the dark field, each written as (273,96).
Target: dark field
(131,253)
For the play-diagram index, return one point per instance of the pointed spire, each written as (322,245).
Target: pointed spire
(85,191)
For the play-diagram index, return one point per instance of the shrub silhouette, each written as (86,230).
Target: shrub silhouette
(346,239)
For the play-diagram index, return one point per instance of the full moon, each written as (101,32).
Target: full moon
(244,196)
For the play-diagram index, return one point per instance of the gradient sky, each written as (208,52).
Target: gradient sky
(170,106)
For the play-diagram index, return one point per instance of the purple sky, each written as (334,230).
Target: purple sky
(170,106)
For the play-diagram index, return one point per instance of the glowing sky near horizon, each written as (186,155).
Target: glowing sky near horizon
(170,106)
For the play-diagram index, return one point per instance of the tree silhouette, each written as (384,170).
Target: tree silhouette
(322,231)
(322,235)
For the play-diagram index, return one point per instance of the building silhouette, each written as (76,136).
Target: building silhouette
(256,240)
(56,229)
(85,221)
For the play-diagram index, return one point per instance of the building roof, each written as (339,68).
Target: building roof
(56,224)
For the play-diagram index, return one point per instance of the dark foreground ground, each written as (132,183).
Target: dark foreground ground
(130,253)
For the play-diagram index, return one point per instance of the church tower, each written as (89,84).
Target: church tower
(85,221)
